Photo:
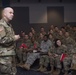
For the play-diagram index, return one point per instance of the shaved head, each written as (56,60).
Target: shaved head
(6,9)
(7,13)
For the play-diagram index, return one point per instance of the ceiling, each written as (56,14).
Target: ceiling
(44,1)
(36,1)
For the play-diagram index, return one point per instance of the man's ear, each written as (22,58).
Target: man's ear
(4,14)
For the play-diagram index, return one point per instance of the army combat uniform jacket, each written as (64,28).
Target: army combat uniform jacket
(7,40)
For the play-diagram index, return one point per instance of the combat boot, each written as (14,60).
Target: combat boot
(73,66)
(52,70)
(56,72)
(66,73)
(21,63)
(41,67)
(26,66)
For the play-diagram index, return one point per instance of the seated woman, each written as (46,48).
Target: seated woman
(57,54)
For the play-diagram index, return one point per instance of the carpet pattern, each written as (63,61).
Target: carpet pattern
(21,71)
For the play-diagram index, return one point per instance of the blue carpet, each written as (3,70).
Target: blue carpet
(21,71)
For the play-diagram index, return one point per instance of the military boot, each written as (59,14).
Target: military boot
(40,68)
(52,69)
(73,66)
(66,73)
(21,63)
(56,72)
(43,69)
(26,66)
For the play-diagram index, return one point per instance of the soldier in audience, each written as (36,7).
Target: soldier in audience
(32,54)
(52,32)
(52,27)
(73,64)
(34,33)
(55,53)
(51,38)
(30,35)
(44,59)
(22,34)
(70,43)
(42,30)
(23,49)
(40,38)
(63,30)
(61,37)
(56,31)
(67,27)
(74,33)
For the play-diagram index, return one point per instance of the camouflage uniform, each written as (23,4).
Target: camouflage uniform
(21,51)
(56,34)
(39,40)
(44,59)
(70,43)
(74,35)
(59,51)
(62,38)
(7,49)
(32,55)
(73,64)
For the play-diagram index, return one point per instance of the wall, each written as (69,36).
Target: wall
(36,15)
(69,10)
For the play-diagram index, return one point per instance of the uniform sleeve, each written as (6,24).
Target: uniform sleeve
(4,39)
(2,31)
(37,45)
(41,46)
(51,50)
(65,49)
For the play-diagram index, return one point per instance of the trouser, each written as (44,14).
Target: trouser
(6,66)
(31,57)
(44,60)
(58,62)
(21,55)
(67,63)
